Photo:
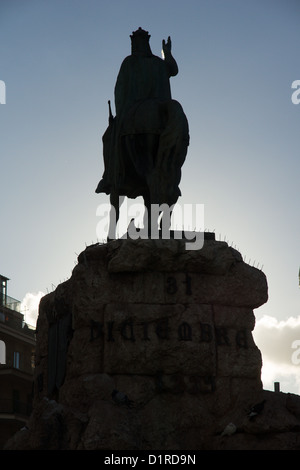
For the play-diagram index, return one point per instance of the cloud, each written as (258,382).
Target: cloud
(30,307)
(279,343)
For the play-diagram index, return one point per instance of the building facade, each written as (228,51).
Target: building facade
(17,352)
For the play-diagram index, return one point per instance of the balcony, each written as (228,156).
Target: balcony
(10,302)
(11,317)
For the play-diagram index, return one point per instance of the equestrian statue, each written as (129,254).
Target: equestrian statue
(145,144)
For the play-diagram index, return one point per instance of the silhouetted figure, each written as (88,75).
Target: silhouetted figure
(145,144)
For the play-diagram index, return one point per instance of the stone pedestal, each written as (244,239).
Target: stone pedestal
(171,328)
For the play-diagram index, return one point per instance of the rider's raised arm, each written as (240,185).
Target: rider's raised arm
(169,59)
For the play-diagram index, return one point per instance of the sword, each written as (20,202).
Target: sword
(110,118)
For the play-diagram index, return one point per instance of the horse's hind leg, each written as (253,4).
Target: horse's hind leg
(115,202)
(165,221)
(147,215)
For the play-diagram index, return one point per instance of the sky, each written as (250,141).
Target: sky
(237,60)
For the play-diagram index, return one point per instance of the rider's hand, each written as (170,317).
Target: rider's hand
(166,46)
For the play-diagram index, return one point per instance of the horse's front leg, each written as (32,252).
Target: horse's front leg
(113,216)
(165,221)
(147,215)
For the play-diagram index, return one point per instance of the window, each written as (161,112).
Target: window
(16,360)
(2,352)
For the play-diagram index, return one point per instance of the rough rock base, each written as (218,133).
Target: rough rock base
(171,329)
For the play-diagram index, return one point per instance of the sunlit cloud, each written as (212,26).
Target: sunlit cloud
(30,307)
(279,343)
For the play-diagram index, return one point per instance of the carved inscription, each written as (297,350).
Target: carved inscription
(172,286)
(164,339)
(131,331)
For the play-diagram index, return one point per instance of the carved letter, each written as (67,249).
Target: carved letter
(124,327)
(162,329)
(171,285)
(145,330)
(185,331)
(188,282)
(206,332)
(221,336)
(209,384)
(95,325)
